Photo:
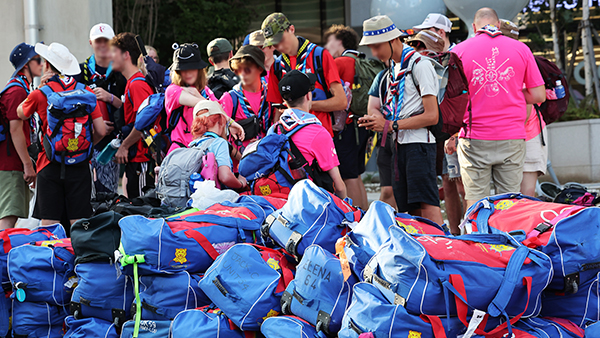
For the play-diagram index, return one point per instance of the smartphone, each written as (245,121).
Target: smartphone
(279,106)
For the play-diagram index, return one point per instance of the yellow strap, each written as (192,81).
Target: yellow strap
(287,60)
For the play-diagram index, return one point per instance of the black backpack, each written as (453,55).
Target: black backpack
(96,238)
(222,81)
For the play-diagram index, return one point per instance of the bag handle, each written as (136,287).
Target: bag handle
(436,325)
(203,241)
(507,287)
(533,241)
(4,235)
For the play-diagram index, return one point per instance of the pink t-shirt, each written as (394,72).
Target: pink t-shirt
(183,131)
(497,68)
(532,127)
(314,141)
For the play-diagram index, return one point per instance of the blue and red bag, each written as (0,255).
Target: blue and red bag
(492,273)
(37,320)
(371,315)
(289,327)
(190,242)
(102,292)
(321,292)
(312,215)
(208,322)
(43,272)
(247,283)
(581,307)
(372,231)
(89,328)
(164,296)
(570,235)
(541,328)
(68,138)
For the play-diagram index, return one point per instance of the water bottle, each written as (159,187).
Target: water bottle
(195,177)
(559,90)
(109,152)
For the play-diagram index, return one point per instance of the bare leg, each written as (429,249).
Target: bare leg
(8,222)
(46,222)
(432,212)
(453,204)
(356,191)
(528,183)
(387,196)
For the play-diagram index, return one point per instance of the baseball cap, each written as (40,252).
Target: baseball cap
(213,108)
(102,30)
(218,46)
(257,38)
(273,27)
(296,84)
(436,20)
(379,29)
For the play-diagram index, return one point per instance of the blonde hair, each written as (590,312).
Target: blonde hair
(142,66)
(201,80)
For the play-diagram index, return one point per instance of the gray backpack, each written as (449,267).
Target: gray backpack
(174,176)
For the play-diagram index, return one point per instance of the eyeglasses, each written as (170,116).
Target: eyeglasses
(37,59)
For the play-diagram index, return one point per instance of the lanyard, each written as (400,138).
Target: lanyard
(92,67)
(395,97)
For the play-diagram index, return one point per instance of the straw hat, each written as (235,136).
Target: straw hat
(60,57)
(379,29)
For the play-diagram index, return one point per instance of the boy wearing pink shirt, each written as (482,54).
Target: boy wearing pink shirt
(492,143)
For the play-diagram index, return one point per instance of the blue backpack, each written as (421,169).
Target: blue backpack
(289,327)
(320,293)
(68,138)
(89,328)
(312,215)
(371,233)
(146,329)
(164,296)
(570,235)
(247,283)
(102,292)
(149,111)
(43,272)
(14,82)
(371,315)
(440,275)
(206,322)
(582,307)
(37,320)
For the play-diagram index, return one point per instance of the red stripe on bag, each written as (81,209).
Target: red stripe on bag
(203,241)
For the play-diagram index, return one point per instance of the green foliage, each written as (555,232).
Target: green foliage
(587,109)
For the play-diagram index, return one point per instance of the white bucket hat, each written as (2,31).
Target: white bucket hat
(60,57)
(379,29)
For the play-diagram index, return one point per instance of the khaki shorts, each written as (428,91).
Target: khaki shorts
(14,194)
(536,155)
(483,162)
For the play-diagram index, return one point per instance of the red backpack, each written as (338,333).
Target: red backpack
(552,109)
(456,98)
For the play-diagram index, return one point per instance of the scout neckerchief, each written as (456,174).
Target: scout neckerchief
(292,118)
(306,47)
(395,96)
(490,30)
(91,74)
(264,112)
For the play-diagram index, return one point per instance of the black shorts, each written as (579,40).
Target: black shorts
(351,146)
(140,178)
(70,196)
(417,181)
(385,156)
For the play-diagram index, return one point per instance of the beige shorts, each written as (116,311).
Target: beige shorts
(14,195)
(485,162)
(536,155)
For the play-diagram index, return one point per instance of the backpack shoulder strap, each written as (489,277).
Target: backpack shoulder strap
(128,92)
(235,100)
(80,85)
(205,144)
(277,70)
(319,71)
(46,90)
(383,86)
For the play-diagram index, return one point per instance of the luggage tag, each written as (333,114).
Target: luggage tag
(21,295)
(477,318)
(339,249)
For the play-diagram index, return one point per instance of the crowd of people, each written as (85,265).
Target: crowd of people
(280,79)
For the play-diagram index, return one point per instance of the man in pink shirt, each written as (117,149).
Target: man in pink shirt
(492,143)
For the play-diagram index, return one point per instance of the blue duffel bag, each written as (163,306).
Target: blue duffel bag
(312,215)
(374,316)
(320,293)
(146,329)
(102,292)
(247,282)
(289,327)
(205,322)
(593,330)
(37,320)
(436,275)
(542,328)
(89,328)
(568,234)
(164,296)
(372,231)
(43,272)
(582,307)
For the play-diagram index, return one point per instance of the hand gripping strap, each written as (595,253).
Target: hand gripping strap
(203,241)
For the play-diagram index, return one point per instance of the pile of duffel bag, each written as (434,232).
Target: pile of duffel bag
(311,266)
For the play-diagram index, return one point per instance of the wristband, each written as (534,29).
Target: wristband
(386,127)
(112,98)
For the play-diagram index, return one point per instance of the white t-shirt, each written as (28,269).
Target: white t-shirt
(428,80)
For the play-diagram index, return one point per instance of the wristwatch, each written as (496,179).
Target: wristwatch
(395,126)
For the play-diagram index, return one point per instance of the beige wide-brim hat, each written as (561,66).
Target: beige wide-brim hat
(60,57)
(379,29)
(509,28)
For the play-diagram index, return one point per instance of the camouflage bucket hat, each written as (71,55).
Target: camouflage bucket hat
(273,27)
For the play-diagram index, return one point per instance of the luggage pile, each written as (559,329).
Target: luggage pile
(310,266)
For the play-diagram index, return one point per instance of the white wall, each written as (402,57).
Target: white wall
(64,21)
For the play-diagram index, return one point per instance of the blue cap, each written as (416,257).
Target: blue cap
(21,55)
